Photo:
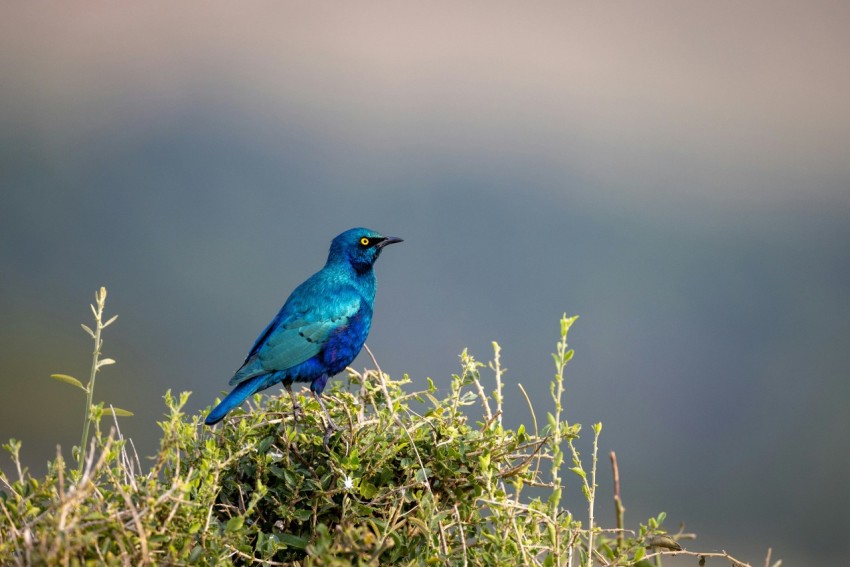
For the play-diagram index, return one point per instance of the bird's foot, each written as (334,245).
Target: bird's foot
(331,426)
(331,429)
(297,410)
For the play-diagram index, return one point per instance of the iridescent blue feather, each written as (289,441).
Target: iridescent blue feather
(321,327)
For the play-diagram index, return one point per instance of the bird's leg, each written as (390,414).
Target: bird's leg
(296,407)
(331,425)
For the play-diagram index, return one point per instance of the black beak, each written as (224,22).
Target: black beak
(388,240)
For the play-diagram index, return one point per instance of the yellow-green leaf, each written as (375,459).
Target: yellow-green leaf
(234,524)
(69,380)
(121,412)
(368,490)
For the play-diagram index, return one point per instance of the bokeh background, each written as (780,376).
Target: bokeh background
(678,174)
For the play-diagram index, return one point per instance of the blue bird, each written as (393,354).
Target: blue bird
(319,330)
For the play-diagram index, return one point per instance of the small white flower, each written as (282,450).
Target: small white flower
(348,482)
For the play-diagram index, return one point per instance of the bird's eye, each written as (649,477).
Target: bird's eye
(364,241)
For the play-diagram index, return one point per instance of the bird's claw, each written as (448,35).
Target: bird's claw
(297,410)
(330,430)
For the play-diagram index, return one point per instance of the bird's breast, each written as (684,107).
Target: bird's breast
(345,343)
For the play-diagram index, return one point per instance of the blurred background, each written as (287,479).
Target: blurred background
(676,174)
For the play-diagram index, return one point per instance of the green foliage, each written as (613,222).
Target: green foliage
(408,480)
(96,364)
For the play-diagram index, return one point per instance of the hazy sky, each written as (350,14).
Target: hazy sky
(677,174)
(721,101)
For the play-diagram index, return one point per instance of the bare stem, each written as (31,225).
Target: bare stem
(722,555)
(619,509)
(496,366)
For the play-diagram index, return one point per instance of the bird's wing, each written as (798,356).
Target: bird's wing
(261,340)
(289,341)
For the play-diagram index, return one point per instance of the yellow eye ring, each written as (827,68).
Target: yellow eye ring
(364,241)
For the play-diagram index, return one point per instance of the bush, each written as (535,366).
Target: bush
(408,480)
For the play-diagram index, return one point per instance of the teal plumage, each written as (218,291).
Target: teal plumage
(321,327)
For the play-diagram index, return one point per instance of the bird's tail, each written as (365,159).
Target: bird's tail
(239,394)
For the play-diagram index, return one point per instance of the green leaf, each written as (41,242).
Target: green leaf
(121,412)
(293,541)
(264,445)
(422,474)
(234,524)
(368,490)
(555,497)
(195,554)
(484,461)
(641,551)
(69,380)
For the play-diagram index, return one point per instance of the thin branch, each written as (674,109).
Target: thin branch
(619,509)
(722,555)
(462,536)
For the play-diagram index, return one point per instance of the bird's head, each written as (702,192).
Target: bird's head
(360,247)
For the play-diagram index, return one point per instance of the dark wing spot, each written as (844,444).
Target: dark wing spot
(303,336)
